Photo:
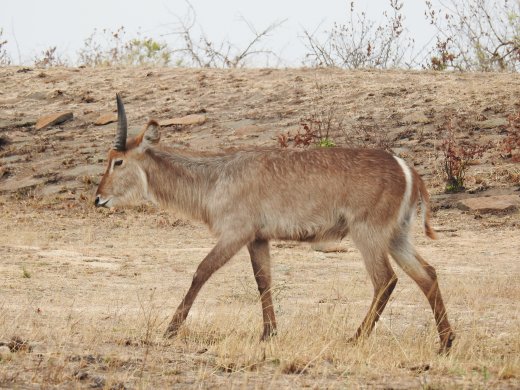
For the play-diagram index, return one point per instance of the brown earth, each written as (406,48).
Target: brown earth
(90,291)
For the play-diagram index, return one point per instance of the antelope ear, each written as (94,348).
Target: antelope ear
(151,134)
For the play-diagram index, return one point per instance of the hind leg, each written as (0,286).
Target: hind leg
(426,278)
(384,281)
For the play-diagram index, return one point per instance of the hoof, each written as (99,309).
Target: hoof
(446,344)
(354,340)
(268,333)
(358,337)
(171,332)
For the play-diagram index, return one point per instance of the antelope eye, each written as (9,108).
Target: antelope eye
(118,163)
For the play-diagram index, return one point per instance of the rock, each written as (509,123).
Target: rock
(248,130)
(193,119)
(81,375)
(16,123)
(233,125)
(53,119)
(415,117)
(402,152)
(328,247)
(106,118)
(5,353)
(39,95)
(490,204)
(21,185)
(98,382)
(493,123)
(4,172)
(4,102)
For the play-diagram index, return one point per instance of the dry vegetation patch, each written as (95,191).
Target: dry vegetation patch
(87,293)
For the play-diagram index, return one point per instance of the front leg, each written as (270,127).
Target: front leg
(224,250)
(261,261)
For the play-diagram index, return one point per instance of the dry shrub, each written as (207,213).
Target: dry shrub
(319,128)
(118,50)
(312,131)
(198,50)
(444,58)
(480,35)
(49,57)
(457,154)
(4,57)
(322,130)
(361,42)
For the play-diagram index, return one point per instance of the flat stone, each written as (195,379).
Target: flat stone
(493,123)
(248,130)
(83,170)
(16,123)
(238,124)
(17,184)
(53,119)
(490,204)
(9,101)
(5,353)
(106,118)
(415,117)
(40,95)
(193,119)
(329,247)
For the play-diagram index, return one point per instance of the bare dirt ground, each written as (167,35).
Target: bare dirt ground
(86,294)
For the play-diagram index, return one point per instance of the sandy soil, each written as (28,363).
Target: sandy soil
(91,291)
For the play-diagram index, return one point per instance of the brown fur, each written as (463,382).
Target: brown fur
(249,197)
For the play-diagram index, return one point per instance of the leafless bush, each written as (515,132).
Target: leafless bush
(94,53)
(327,130)
(321,127)
(481,35)
(49,57)
(105,48)
(200,51)
(324,126)
(361,42)
(442,58)
(4,57)
(313,131)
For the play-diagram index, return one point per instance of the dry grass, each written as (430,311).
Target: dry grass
(98,300)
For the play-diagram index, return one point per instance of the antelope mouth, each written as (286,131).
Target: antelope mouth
(99,202)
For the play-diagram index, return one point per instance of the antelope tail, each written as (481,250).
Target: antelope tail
(425,208)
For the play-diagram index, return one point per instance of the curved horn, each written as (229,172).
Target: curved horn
(120,143)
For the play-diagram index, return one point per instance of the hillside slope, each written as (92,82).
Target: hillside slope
(401,110)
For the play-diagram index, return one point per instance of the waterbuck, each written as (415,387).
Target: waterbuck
(249,197)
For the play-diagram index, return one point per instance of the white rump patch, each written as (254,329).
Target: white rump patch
(405,203)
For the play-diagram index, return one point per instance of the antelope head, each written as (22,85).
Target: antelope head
(125,181)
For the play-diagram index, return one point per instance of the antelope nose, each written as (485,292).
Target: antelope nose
(96,202)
